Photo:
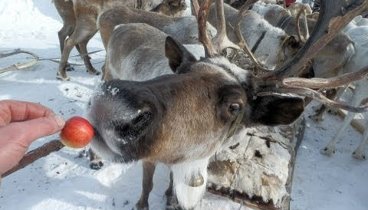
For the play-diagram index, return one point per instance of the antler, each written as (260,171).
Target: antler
(304,87)
(220,41)
(333,82)
(195,8)
(317,96)
(202,28)
(334,15)
(301,37)
(242,43)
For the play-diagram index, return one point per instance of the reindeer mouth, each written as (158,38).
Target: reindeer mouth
(100,146)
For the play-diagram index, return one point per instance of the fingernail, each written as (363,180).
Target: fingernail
(59,120)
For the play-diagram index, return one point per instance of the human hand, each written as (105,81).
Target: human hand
(20,124)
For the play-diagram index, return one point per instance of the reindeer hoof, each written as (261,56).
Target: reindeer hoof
(359,155)
(83,154)
(174,208)
(93,72)
(172,203)
(140,208)
(62,77)
(329,151)
(333,111)
(316,118)
(96,165)
(69,67)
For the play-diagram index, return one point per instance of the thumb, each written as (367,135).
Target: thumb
(27,131)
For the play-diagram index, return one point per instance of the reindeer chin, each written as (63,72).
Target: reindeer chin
(100,147)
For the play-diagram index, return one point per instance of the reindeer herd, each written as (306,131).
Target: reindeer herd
(170,95)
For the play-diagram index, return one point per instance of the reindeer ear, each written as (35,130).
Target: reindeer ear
(178,55)
(276,110)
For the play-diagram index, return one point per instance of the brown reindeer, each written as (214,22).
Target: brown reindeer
(183,29)
(163,105)
(79,23)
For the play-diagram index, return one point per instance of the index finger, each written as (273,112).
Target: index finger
(16,111)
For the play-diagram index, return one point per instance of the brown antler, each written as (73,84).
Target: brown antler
(317,96)
(221,41)
(334,15)
(242,43)
(304,87)
(333,82)
(202,28)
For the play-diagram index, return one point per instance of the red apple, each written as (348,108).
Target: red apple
(77,132)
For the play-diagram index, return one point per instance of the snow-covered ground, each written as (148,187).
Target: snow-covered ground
(62,181)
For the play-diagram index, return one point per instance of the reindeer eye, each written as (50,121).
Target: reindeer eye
(234,108)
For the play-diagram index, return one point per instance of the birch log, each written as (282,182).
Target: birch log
(257,171)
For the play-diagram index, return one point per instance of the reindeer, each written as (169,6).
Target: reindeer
(181,28)
(268,43)
(288,18)
(330,60)
(357,31)
(179,110)
(79,24)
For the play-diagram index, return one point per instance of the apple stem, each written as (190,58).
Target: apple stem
(36,154)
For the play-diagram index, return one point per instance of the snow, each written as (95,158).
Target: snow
(63,181)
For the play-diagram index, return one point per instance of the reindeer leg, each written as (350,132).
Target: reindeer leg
(169,191)
(147,184)
(331,146)
(171,199)
(82,31)
(359,153)
(84,54)
(66,12)
(337,95)
(183,174)
(69,44)
(318,116)
(64,32)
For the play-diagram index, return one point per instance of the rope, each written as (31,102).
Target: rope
(34,60)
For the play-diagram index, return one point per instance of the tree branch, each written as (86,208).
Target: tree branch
(30,157)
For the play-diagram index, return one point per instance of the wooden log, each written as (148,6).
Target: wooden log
(36,154)
(258,170)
